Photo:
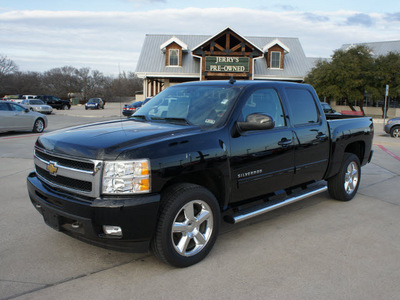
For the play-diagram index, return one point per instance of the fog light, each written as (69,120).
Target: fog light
(112,230)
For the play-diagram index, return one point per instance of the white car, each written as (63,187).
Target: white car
(15,117)
(37,105)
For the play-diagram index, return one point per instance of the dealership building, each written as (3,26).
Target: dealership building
(166,60)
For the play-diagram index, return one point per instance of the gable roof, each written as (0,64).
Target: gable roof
(217,34)
(151,61)
(276,42)
(378,48)
(174,39)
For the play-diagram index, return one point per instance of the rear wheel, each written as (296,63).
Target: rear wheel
(188,225)
(38,127)
(395,132)
(344,185)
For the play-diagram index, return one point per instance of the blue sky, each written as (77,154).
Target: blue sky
(107,35)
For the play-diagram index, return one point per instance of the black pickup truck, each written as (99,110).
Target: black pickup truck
(195,154)
(55,102)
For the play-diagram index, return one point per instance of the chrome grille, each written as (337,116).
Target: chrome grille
(79,176)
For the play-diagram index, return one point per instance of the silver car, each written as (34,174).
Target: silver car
(15,117)
(393,127)
(37,105)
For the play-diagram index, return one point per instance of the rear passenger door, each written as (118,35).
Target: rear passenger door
(311,135)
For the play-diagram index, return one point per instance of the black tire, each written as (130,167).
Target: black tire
(344,185)
(38,127)
(395,131)
(194,213)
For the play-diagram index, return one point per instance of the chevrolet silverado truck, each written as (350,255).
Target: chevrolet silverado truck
(196,154)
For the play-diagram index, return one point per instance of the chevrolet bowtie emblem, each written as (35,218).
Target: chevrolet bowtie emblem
(52,169)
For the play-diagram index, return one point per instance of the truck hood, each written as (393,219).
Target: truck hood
(106,140)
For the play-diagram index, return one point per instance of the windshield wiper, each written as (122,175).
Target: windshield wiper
(173,120)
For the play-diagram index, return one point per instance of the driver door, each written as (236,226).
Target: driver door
(262,161)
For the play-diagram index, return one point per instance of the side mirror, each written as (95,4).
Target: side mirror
(26,110)
(257,122)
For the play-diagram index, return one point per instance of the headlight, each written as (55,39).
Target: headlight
(390,121)
(126,177)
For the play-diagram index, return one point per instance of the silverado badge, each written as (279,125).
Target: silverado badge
(52,168)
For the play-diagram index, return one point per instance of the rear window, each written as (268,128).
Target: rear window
(303,107)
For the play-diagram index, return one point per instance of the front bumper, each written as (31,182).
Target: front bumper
(387,128)
(137,216)
(92,106)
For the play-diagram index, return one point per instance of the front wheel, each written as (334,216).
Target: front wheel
(65,107)
(344,185)
(38,127)
(395,132)
(188,225)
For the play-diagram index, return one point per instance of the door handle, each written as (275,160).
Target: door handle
(285,142)
(321,136)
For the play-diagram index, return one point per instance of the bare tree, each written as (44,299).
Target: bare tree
(7,66)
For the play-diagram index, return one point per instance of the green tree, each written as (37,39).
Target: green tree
(387,72)
(348,75)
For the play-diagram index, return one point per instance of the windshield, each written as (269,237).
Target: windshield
(192,105)
(36,102)
(93,100)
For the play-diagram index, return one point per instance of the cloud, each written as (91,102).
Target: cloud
(394,16)
(109,41)
(360,19)
(316,18)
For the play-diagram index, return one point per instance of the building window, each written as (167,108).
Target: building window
(173,57)
(275,60)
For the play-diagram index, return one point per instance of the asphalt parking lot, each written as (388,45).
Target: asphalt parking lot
(317,248)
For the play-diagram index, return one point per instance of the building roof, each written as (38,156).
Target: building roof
(378,48)
(152,60)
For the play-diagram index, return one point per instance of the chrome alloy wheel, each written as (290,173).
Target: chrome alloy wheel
(396,132)
(38,126)
(192,228)
(351,177)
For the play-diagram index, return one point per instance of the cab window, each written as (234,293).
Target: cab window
(265,101)
(303,107)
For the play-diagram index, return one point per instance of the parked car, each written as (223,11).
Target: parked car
(55,102)
(128,110)
(94,103)
(16,117)
(393,127)
(13,98)
(29,97)
(37,105)
(328,109)
(165,178)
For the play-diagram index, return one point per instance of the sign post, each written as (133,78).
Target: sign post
(384,109)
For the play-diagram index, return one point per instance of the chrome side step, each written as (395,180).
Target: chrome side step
(271,205)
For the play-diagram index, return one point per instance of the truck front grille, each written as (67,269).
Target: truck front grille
(65,181)
(73,175)
(65,162)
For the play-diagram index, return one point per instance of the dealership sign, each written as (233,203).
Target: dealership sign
(227,64)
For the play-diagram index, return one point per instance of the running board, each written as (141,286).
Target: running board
(271,205)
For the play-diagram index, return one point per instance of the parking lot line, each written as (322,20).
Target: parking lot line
(388,152)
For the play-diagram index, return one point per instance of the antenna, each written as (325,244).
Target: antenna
(232,80)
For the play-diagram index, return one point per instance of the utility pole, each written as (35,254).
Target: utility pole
(384,110)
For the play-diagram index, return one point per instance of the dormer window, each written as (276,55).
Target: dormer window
(173,57)
(173,49)
(275,52)
(275,60)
